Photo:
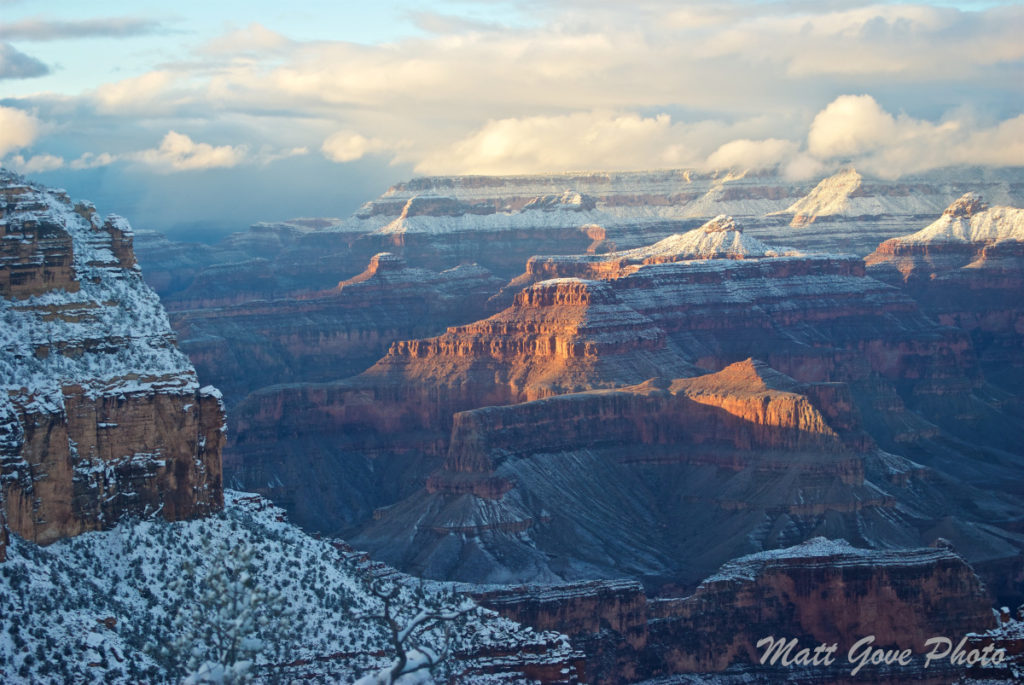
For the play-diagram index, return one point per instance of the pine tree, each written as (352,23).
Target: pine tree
(224,618)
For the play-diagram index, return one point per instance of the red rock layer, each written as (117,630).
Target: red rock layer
(35,255)
(103,458)
(734,409)
(973,286)
(818,592)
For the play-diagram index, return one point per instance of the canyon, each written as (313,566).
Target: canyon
(112,505)
(678,370)
(664,413)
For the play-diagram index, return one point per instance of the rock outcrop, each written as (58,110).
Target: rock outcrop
(899,393)
(101,416)
(966,269)
(643,480)
(329,334)
(821,592)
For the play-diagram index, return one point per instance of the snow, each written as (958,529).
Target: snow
(717,239)
(830,553)
(845,194)
(567,210)
(111,337)
(119,606)
(831,196)
(991,225)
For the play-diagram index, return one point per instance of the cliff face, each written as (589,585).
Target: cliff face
(328,334)
(100,415)
(896,391)
(641,481)
(818,592)
(966,269)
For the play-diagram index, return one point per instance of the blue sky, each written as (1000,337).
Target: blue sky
(204,117)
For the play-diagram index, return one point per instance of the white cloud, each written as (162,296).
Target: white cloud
(18,129)
(348,146)
(583,140)
(752,154)
(36,164)
(178,152)
(150,91)
(89,160)
(850,125)
(589,84)
(855,128)
(254,38)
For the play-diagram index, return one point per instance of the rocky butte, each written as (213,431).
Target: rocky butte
(966,269)
(101,416)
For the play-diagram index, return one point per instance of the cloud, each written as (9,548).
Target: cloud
(855,128)
(581,84)
(267,155)
(148,92)
(49,29)
(850,125)
(253,39)
(18,129)
(35,164)
(852,129)
(14,64)
(90,160)
(585,140)
(752,154)
(347,146)
(178,152)
(605,140)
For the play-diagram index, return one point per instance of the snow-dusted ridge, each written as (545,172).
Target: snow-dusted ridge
(828,553)
(719,238)
(434,214)
(971,220)
(104,606)
(122,339)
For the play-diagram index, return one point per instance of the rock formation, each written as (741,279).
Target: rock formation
(101,416)
(329,334)
(643,480)
(819,592)
(901,396)
(966,269)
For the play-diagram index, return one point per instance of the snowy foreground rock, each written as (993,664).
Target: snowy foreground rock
(100,414)
(240,594)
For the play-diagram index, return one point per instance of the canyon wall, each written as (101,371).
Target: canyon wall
(821,592)
(101,416)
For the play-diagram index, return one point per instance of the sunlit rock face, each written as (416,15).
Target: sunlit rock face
(533,446)
(101,416)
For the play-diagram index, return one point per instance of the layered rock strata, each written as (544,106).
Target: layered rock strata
(821,592)
(966,269)
(642,481)
(334,333)
(101,416)
(885,376)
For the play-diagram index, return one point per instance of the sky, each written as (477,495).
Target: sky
(200,118)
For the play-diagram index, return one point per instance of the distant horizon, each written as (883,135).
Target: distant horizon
(211,231)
